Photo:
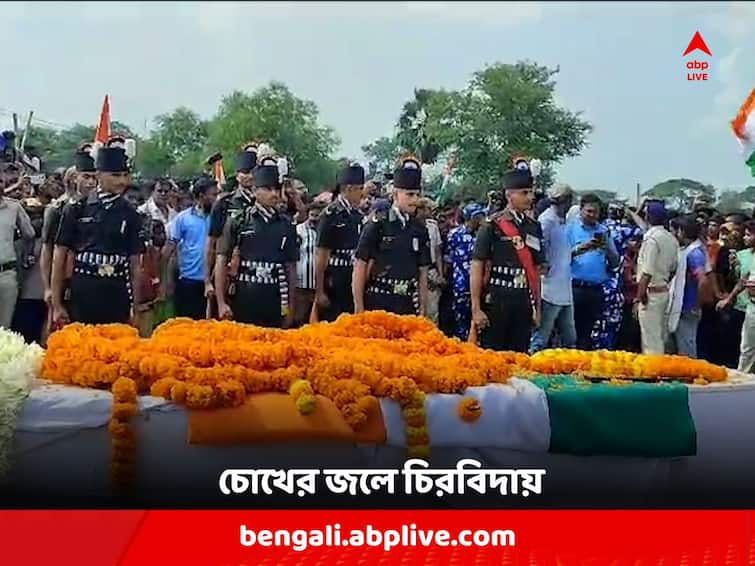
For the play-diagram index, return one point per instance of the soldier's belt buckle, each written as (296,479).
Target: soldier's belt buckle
(401,288)
(263,272)
(106,270)
(520,279)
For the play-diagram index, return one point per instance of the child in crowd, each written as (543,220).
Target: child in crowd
(151,310)
(629,332)
(164,307)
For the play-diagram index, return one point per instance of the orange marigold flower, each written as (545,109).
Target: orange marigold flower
(162,387)
(178,393)
(200,397)
(469,409)
(124,390)
(124,411)
(118,428)
(229,393)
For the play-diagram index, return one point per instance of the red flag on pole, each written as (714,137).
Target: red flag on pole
(102,134)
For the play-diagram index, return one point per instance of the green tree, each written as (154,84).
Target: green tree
(681,194)
(382,154)
(504,110)
(152,159)
(274,115)
(43,142)
(417,127)
(121,129)
(730,202)
(180,133)
(508,109)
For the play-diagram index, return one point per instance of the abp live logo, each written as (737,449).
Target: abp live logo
(697,69)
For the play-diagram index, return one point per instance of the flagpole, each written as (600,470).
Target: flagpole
(15,131)
(26,132)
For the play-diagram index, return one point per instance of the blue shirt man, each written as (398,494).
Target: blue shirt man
(591,263)
(594,254)
(189,233)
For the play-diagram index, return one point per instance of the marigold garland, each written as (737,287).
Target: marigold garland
(625,365)
(353,362)
(123,446)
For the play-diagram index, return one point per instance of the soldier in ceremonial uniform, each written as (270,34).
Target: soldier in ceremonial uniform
(505,275)
(393,255)
(85,180)
(337,239)
(229,205)
(103,232)
(262,242)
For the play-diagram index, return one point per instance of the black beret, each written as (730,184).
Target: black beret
(83,162)
(266,176)
(351,175)
(112,160)
(246,161)
(517,179)
(409,175)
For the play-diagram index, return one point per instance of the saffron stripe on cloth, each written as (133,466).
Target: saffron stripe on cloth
(639,419)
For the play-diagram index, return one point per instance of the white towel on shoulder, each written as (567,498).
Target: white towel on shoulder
(677,286)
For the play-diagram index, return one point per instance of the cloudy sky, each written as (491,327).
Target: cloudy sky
(621,64)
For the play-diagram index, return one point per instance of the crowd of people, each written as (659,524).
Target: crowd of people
(88,245)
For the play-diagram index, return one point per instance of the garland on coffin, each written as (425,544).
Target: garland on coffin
(353,362)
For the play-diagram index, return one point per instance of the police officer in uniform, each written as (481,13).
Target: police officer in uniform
(229,205)
(102,231)
(337,239)
(85,181)
(393,254)
(505,279)
(265,242)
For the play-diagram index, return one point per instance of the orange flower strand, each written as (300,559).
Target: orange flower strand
(469,409)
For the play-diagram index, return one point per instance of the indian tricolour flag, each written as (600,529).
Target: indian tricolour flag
(744,128)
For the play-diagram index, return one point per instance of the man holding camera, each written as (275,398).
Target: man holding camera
(593,254)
